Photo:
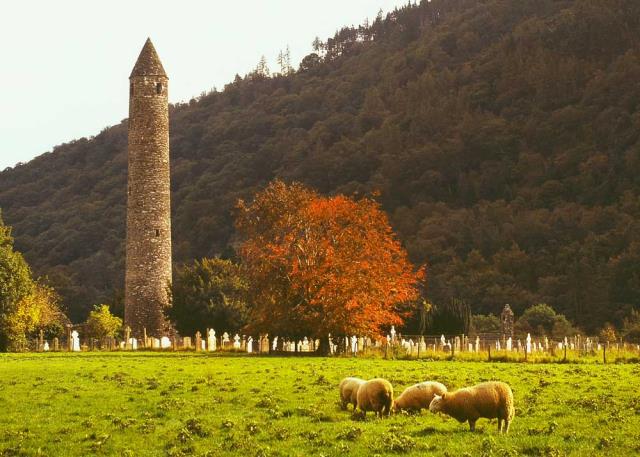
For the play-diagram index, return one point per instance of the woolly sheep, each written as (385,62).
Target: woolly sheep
(349,391)
(375,395)
(489,400)
(418,396)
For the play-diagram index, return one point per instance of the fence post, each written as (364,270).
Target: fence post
(565,353)
(489,352)
(604,353)
(525,352)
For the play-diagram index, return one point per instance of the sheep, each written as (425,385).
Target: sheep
(489,400)
(349,391)
(418,396)
(375,395)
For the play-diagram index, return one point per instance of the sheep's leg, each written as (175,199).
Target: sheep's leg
(499,425)
(507,422)
(472,425)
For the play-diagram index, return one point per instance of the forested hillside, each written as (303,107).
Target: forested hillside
(502,136)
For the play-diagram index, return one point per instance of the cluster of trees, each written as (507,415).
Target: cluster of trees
(27,305)
(309,266)
(538,320)
(503,138)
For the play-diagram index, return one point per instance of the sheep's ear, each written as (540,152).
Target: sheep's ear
(443,395)
(437,397)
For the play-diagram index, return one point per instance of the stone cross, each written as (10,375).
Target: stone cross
(236,342)
(45,347)
(198,341)
(528,343)
(506,320)
(250,344)
(393,333)
(75,341)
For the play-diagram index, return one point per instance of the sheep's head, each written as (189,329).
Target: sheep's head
(395,408)
(436,404)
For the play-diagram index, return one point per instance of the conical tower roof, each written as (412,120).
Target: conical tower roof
(148,63)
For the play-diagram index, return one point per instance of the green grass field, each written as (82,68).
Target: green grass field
(154,404)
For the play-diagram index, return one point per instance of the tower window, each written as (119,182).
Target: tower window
(159,88)
(129,190)
(157,232)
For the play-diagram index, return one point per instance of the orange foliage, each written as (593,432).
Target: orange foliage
(322,265)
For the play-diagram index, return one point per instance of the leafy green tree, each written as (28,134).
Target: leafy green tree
(208,293)
(452,318)
(481,323)
(101,323)
(542,319)
(16,285)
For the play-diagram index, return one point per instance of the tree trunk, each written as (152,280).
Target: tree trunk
(324,348)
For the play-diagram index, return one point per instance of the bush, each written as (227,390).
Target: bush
(101,323)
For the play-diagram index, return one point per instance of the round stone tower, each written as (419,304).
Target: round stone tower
(148,265)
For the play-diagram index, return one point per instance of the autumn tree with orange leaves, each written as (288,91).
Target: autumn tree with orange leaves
(322,265)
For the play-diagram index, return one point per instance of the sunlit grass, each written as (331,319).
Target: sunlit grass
(149,404)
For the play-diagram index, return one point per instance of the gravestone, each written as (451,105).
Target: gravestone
(133,344)
(225,340)
(506,320)
(236,341)
(198,341)
(56,344)
(393,333)
(165,342)
(127,337)
(211,340)
(250,344)
(45,347)
(354,345)
(75,341)
(186,342)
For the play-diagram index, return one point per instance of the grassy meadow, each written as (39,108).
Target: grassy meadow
(155,404)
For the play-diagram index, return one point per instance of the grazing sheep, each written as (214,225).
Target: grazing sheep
(418,396)
(349,391)
(375,395)
(489,399)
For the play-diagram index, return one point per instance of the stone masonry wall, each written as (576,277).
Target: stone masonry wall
(148,260)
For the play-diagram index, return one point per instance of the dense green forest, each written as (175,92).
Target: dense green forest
(502,136)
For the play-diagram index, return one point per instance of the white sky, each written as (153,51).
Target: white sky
(64,64)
